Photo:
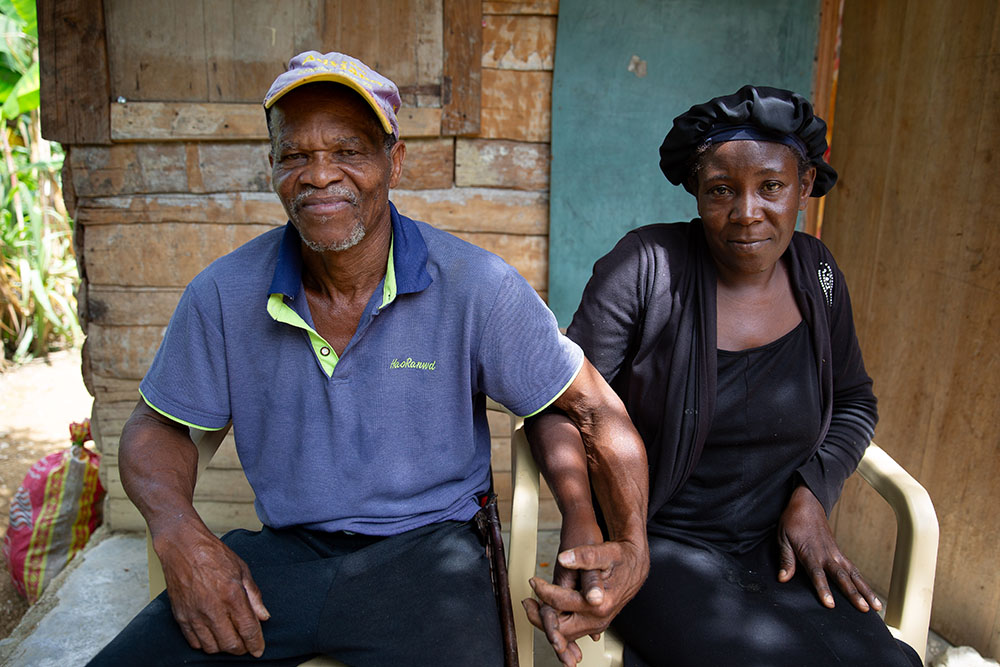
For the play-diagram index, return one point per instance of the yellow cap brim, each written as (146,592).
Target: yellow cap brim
(336,78)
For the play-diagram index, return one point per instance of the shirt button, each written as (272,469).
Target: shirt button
(325,351)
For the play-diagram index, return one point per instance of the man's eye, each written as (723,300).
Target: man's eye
(291,157)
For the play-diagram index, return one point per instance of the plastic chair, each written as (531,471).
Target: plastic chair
(911,587)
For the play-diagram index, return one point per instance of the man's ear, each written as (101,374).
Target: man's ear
(396,156)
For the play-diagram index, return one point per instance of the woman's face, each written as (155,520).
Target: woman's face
(749,195)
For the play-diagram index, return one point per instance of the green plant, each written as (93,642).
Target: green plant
(37,266)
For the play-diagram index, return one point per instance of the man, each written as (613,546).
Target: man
(352,350)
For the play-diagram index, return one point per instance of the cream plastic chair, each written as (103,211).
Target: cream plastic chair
(907,608)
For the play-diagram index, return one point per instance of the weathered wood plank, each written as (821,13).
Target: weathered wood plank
(123,352)
(462,78)
(251,43)
(429,164)
(540,7)
(111,389)
(924,262)
(232,208)
(517,105)
(827,55)
(528,254)
(73,67)
(157,50)
(179,121)
(502,164)
(477,209)
(142,168)
(519,42)
(142,306)
(213,121)
(162,255)
(429,33)
(220,517)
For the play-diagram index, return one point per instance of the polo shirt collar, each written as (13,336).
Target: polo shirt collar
(409,255)
(406,271)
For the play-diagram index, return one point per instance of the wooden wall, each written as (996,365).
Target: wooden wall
(914,224)
(167,165)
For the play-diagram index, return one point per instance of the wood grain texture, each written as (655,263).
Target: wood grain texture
(540,7)
(502,164)
(477,209)
(517,105)
(204,121)
(429,164)
(73,68)
(168,254)
(462,70)
(144,168)
(519,42)
(824,90)
(914,226)
(229,208)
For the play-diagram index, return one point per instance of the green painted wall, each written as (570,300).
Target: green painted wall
(608,123)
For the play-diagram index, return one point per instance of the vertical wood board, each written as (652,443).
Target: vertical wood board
(915,228)
(73,70)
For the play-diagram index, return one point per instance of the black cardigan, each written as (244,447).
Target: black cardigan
(647,321)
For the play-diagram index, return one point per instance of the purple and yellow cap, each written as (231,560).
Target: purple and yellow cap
(312,66)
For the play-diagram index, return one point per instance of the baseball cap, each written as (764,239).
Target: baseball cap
(312,66)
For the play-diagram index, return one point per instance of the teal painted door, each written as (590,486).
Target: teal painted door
(608,121)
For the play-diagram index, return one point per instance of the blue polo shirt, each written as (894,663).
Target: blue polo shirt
(390,436)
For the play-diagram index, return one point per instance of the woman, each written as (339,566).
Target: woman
(731,341)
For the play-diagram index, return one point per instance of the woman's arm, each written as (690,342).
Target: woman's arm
(594,446)
(804,532)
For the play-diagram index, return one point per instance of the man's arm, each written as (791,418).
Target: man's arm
(597,446)
(212,595)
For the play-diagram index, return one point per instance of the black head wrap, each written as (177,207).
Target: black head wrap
(753,112)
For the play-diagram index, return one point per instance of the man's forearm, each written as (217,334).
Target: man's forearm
(158,465)
(615,454)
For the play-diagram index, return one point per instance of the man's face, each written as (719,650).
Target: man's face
(329,166)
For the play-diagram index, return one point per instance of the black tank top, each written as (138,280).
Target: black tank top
(767,418)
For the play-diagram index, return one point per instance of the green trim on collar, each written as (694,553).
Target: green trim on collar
(281,312)
(179,421)
(561,391)
(389,286)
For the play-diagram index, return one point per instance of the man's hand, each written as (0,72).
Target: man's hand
(804,535)
(212,595)
(590,586)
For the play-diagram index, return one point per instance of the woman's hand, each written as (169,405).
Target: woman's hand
(804,534)
(592,581)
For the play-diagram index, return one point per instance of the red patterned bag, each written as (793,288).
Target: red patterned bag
(56,508)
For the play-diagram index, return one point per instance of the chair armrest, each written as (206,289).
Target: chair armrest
(523,535)
(911,587)
(208,443)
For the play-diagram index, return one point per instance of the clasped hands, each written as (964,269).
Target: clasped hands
(591,582)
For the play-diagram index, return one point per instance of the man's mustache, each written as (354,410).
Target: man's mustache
(330,191)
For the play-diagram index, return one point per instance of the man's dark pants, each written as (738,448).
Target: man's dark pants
(420,598)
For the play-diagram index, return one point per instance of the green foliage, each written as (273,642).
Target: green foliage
(37,267)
